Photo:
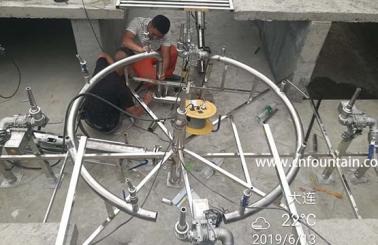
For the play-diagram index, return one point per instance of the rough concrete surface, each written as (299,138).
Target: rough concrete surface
(35,233)
(358,232)
(322,10)
(292,48)
(49,66)
(71,9)
(348,42)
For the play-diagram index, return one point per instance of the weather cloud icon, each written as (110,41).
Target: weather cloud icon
(260,224)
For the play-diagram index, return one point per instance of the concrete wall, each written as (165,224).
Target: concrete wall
(111,34)
(292,49)
(282,42)
(108,33)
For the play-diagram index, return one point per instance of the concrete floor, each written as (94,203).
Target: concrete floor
(49,66)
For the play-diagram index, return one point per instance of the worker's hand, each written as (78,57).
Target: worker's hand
(147,48)
(141,50)
(147,98)
(162,77)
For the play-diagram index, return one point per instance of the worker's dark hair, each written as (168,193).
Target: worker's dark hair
(161,23)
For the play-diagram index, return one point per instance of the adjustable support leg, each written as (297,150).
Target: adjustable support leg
(45,165)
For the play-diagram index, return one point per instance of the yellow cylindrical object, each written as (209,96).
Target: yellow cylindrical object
(198,113)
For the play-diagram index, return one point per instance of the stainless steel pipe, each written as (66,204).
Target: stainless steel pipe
(292,172)
(97,187)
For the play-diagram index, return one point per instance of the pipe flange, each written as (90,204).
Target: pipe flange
(181,232)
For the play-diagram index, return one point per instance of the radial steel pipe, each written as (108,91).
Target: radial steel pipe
(98,188)
(240,151)
(219,169)
(151,113)
(70,198)
(293,170)
(107,156)
(186,181)
(55,189)
(285,186)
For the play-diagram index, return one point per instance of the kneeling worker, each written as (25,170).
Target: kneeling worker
(154,33)
(101,116)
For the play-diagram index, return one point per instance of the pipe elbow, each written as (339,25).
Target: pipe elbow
(224,235)
(6,122)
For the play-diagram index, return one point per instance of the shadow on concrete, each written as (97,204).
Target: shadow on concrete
(349,59)
(45,33)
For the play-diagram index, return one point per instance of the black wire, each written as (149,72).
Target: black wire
(144,201)
(9,169)
(91,25)
(14,163)
(148,131)
(19,79)
(108,103)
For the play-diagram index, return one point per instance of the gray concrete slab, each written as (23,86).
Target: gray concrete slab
(72,9)
(348,231)
(50,67)
(346,42)
(321,10)
(35,233)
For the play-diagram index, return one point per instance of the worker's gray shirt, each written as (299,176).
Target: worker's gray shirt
(138,26)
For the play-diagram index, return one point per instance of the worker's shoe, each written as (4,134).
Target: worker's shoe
(174,77)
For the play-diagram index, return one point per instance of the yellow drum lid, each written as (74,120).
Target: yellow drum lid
(209,110)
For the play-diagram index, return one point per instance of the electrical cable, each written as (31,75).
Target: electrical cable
(14,163)
(148,131)
(129,219)
(91,25)
(108,103)
(19,79)
(17,164)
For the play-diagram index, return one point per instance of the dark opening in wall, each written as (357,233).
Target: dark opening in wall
(349,59)
(54,36)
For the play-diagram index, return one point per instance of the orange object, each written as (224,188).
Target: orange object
(145,68)
(338,195)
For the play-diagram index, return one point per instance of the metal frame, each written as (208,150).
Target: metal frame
(178,148)
(178,4)
(290,202)
(63,226)
(334,154)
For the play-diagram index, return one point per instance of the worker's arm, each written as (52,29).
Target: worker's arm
(108,58)
(128,42)
(166,57)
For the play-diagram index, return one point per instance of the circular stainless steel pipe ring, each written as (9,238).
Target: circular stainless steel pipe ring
(292,172)
(150,215)
(97,187)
